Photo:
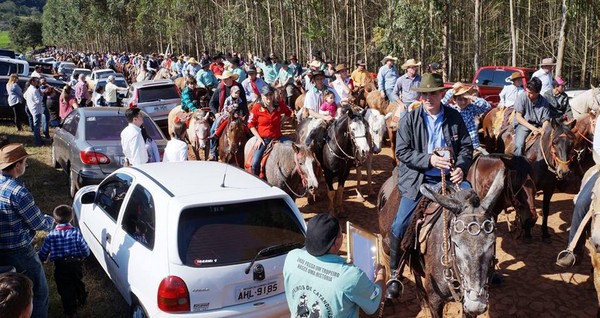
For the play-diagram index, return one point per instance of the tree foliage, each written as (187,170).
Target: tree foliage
(344,30)
(26,34)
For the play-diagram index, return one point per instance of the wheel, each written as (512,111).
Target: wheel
(54,161)
(72,183)
(137,310)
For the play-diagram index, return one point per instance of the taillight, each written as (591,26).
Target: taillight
(173,295)
(93,158)
(134,101)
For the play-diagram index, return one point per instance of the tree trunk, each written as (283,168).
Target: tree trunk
(476,37)
(513,34)
(446,63)
(561,39)
(270,21)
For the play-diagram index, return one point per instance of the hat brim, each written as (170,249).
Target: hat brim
(516,78)
(233,76)
(548,64)
(389,59)
(405,66)
(462,91)
(427,89)
(6,164)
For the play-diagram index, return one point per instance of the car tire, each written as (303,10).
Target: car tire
(137,310)
(72,183)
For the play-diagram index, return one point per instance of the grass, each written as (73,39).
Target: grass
(4,40)
(50,188)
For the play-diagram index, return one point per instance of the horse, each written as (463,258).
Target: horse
(377,128)
(233,140)
(338,147)
(360,95)
(459,251)
(290,167)
(549,153)
(594,245)
(584,136)
(197,129)
(388,109)
(585,102)
(519,188)
(162,73)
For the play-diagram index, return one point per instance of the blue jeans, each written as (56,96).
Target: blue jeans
(521,133)
(29,117)
(407,208)
(582,205)
(45,122)
(112,104)
(390,95)
(26,261)
(37,138)
(215,142)
(257,156)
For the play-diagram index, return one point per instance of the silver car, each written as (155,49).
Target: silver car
(87,146)
(155,97)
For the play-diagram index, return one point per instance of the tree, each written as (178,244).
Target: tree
(27,34)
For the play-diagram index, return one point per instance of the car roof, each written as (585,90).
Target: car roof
(150,83)
(102,111)
(104,70)
(181,179)
(67,63)
(82,69)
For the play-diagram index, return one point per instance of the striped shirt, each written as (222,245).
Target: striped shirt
(20,218)
(64,241)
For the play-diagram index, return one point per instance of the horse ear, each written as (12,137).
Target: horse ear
(495,190)
(349,112)
(571,124)
(364,112)
(447,202)
(554,123)
(295,147)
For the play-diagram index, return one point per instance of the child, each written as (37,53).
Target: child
(177,149)
(16,295)
(328,107)
(230,105)
(67,249)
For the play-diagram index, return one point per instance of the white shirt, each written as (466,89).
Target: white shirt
(133,145)
(546,79)
(176,150)
(36,74)
(509,94)
(314,99)
(339,88)
(33,97)
(110,92)
(250,95)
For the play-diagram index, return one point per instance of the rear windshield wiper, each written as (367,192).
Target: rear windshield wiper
(272,250)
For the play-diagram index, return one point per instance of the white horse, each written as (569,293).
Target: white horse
(377,129)
(585,102)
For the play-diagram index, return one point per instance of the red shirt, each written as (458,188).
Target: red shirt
(217,68)
(268,124)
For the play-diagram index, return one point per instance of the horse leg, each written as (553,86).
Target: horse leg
(546,211)
(358,182)
(330,192)
(369,165)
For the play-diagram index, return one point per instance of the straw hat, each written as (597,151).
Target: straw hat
(361,63)
(547,62)
(461,89)
(192,60)
(341,67)
(315,64)
(228,74)
(515,76)
(387,58)
(409,63)
(12,153)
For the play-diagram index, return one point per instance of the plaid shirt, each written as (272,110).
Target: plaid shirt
(468,114)
(19,216)
(64,241)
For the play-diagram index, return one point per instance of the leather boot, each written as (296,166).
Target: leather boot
(393,286)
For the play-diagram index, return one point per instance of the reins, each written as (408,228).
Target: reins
(555,158)
(337,144)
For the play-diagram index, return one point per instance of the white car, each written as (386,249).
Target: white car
(103,73)
(67,68)
(192,239)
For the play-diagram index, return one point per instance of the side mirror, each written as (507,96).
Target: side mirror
(88,197)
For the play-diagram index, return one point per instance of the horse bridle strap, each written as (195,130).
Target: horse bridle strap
(555,158)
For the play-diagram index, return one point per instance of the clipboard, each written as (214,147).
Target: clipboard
(364,249)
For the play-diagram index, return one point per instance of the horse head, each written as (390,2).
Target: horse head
(305,166)
(377,128)
(471,242)
(359,134)
(561,143)
(201,126)
(235,133)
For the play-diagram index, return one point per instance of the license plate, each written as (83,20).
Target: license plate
(163,108)
(122,161)
(253,292)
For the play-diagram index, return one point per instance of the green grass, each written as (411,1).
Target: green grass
(49,188)
(4,40)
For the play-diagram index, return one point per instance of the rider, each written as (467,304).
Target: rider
(558,99)
(192,67)
(265,121)
(285,80)
(205,78)
(386,78)
(429,126)
(151,67)
(342,85)
(314,97)
(359,75)
(189,96)
(217,66)
(509,93)
(582,206)
(222,119)
(532,110)
(403,88)
(253,85)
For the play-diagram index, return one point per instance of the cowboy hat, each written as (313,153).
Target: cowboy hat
(204,63)
(192,60)
(460,89)
(409,63)
(515,76)
(388,58)
(251,70)
(315,64)
(547,62)
(316,73)
(361,63)
(430,83)
(228,74)
(12,153)
(340,67)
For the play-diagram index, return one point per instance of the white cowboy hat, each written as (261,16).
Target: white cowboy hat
(228,74)
(387,58)
(315,64)
(547,62)
(409,63)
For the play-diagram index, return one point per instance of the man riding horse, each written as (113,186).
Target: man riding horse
(420,133)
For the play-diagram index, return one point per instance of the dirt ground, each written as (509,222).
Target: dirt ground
(532,285)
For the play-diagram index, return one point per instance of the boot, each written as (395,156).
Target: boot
(393,285)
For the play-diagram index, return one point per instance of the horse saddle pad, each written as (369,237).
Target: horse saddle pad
(263,161)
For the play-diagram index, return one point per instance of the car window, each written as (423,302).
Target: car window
(501,78)
(118,82)
(485,77)
(8,53)
(111,193)
(211,235)
(110,127)
(71,122)
(156,93)
(138,220)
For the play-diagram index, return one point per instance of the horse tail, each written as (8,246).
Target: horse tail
(386,189)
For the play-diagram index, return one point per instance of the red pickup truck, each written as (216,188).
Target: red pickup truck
(489,81)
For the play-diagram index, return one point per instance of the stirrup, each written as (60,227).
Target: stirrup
(392,280)
(567,252)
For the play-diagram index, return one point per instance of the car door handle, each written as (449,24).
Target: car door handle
(108,237)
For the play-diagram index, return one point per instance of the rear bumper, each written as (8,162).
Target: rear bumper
(275,306)
(89,177)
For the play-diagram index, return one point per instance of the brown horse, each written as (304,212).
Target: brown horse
(459,251)
(584,136)
(549,153)
(233,140)
(360,95)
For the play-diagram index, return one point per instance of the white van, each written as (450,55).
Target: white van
(9,66)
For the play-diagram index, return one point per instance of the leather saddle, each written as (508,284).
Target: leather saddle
(263,160)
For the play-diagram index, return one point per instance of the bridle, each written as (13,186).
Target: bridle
(555,158)
(302,175)
(345,156)
(232,121)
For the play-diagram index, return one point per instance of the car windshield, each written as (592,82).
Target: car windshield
(86,72)
(104,74)
(157,93)
(110,127)
(226,234)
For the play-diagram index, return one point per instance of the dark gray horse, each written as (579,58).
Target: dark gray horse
(458,254)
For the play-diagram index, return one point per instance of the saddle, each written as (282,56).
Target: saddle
(502,124)
(263,160)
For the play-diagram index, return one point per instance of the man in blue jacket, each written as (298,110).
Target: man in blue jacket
(421,131)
